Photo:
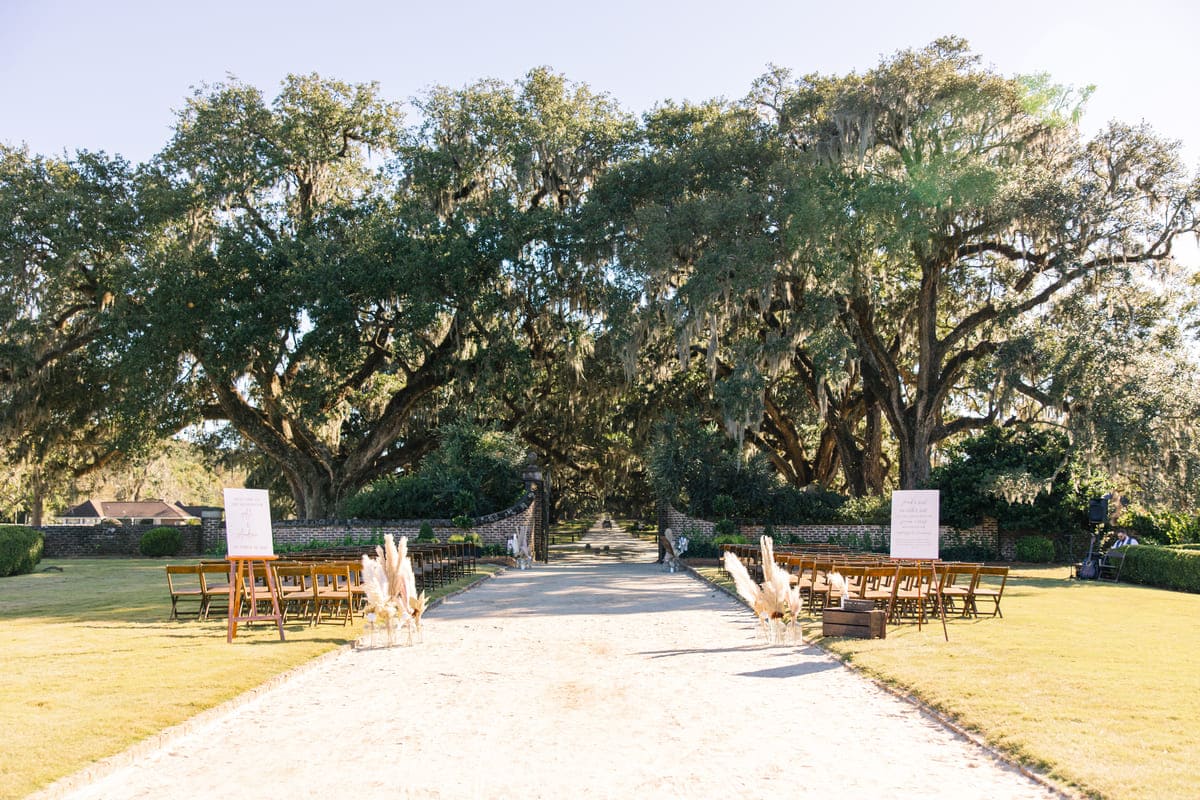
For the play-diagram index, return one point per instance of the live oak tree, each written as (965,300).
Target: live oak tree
(955,205)
(696,227)
(70,240)
(337,284)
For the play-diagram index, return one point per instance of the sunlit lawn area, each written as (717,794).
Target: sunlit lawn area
(1094,683)
(91,664)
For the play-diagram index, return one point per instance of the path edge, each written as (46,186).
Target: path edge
(167,736)
(941,718)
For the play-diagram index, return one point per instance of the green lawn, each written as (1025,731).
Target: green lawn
(91,665)
(1094,683)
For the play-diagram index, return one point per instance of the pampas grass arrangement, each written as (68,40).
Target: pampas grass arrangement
(390,588)
(518,547)
(775,602)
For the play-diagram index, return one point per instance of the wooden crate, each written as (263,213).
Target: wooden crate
(855,624)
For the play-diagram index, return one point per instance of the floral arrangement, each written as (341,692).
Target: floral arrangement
(775,602)
(390,589)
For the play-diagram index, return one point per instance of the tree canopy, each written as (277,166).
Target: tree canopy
(848,275)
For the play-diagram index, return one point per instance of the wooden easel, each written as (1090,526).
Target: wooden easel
(241,576)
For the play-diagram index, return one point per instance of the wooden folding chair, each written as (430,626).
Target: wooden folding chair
(956,583)
(215,575)
(331,589)
(295,584)
(912,592)
(989,585)
(879,585)
(819,587)
(185,583)
(1109,567)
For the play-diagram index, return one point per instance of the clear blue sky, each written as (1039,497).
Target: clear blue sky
(107,74)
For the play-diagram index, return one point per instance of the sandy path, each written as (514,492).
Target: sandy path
(596,676)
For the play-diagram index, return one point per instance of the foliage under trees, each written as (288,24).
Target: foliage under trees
(472,473)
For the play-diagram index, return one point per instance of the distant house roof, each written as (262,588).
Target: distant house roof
(142,509)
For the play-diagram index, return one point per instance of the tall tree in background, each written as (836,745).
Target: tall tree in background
(333,313)
(70,238)
(946,206)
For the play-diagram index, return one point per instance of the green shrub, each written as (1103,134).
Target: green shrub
(465,538)
(725,528)
(161,541)
(1165,567)
(425,534)
(473,472)
(868,510)
(20,549)
(1035,550)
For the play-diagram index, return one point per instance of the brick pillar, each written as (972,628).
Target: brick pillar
(537,483)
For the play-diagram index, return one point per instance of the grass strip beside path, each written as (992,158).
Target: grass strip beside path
(1093,683)
(92,665)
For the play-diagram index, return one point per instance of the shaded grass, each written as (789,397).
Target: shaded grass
(1092,683)
(91,664)
(570,530)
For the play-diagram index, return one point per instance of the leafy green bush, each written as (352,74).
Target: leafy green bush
(726,528)
(1018,478)
(465,538)
(869,510)
(1035,550)
(20,549)
(1161,527)
(472,473)
(712,547)
(161,541)
(425,534)
(1165,567)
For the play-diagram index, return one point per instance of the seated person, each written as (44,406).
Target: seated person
(1123,540)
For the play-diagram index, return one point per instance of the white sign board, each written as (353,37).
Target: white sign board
(915,524)
(248,522)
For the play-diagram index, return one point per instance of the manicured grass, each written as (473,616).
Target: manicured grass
(570,530)
(91,665)
(1093,683)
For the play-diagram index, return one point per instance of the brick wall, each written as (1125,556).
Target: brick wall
(78,541)
(986,534)
(493,528)
(73,541)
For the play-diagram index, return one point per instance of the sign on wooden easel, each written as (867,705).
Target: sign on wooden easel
(250,550)
(915,526)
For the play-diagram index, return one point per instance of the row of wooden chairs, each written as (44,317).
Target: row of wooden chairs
(904,589)
(316,585)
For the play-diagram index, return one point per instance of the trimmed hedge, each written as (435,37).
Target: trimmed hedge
(20,549)
(1165,567)
(161,541)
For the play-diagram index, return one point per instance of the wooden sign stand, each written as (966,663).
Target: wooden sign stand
(242,586)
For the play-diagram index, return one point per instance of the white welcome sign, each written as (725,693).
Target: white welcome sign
(248,523)
(915,524)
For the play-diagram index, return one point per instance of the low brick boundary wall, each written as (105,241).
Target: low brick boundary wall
(494,529)
(986,534)
(84,541)
(80,541)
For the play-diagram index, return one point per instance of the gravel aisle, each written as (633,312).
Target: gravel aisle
(596,676)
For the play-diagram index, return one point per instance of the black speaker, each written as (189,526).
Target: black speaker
(1098,510)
